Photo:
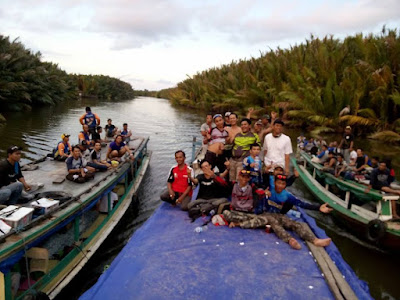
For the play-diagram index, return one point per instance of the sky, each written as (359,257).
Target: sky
(155,44)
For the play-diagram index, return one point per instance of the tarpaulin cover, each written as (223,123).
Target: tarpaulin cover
(167,259)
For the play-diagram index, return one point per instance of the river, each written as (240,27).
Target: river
(171,129)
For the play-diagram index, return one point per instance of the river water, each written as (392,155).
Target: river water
(171,129)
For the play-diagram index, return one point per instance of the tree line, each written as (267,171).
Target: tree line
(26,81)
(310,84)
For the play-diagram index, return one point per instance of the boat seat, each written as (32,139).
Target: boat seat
(39,259)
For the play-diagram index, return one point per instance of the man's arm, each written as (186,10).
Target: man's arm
(97,119)
(81,119)
(184,194)
(129,151)
(287,163)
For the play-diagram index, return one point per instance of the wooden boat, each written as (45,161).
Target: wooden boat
(162,261)
(45,254)
(367,214)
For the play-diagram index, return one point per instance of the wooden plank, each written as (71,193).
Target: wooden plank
(334,278)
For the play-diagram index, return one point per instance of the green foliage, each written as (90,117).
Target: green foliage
(315,81)
(26,81)
(386,136)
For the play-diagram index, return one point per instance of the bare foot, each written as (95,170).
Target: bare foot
(322,242)
(232,224)
(294,244)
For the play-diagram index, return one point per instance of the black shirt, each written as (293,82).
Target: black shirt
(9,173)
(209,188)
(109,130)
(347,139)
(96,136)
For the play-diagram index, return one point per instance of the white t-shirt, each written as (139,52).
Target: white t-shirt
(353,155)
(277,148)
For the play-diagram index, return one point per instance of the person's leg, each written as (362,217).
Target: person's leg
(196,202)
(114,154)
(5,193)
(95,166)
(121,152)
(185,203)
(255,221)
(78,179)
(275,222)
(217,201)
(346,155)
(220,163)
(16,190)
(236,216)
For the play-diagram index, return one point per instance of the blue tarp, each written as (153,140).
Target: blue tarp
(167,259)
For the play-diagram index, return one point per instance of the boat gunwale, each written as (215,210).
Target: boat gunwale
(68,211)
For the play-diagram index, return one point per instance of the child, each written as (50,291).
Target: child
(278,221)
(242,193)
(253,164)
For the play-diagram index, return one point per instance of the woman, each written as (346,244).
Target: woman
(117,149)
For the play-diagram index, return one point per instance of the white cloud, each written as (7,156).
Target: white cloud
(156,43)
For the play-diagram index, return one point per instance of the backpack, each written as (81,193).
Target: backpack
(200,210)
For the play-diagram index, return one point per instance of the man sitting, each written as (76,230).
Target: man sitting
(110,129)
(330,164)
(278,221)
(78,171)
(117,149)
(63,149)
(341,166)
(362,161)
(322,155)
(84,135)
(126,133)
(11,179)
(96,136)
(95,159)
(212,186)
(381,180)
(179,186)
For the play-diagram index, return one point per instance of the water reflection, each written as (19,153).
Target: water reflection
(171,129)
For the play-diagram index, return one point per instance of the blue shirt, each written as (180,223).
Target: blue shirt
(256,176)
(114,146)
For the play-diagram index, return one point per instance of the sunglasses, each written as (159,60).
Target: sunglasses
(245,172)
(279,176)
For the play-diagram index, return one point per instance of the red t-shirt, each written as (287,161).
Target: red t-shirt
(179,179)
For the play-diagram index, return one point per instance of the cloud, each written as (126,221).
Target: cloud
(137,23)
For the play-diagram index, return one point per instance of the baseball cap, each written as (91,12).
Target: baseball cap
(227,114)
(348,127)
(266,117)
(259,122)
(64,135)
(279,166)
(13,149)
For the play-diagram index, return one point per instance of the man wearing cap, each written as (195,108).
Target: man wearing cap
(277,147)
(346,144)
(90,119)
(63,149)
(11,179)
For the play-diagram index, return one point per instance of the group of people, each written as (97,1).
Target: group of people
(82,160)
(351,163)
(250,180)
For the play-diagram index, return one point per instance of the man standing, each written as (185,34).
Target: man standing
(90,119)
(179,186)
(11,179)
(346,144)
(277,147)
(241,148)
(232,130)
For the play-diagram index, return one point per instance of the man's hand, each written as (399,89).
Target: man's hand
(179,200)
(325,208)
(189,172)
(27,187)
(267,192)
(296,173)
(171,194)
(252,165)
(227,163)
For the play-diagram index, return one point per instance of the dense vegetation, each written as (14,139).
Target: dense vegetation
(310,84)
(26,81)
